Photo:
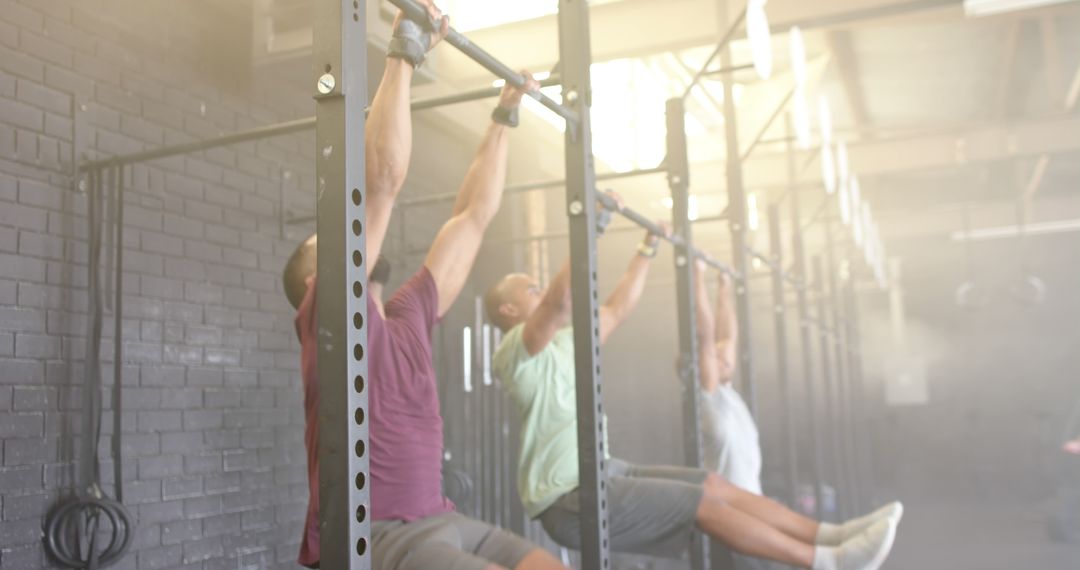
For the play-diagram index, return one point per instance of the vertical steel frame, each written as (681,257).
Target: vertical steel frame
(679,183)
(846,458)
(827,377)
(806,347)
(575,57)
(864,462)
(340,81)
(737,218)
(783,371)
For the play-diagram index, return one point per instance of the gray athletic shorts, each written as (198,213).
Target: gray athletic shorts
(450,540)
(651,509)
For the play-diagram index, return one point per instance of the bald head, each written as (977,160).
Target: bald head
(511,300)
(300,266)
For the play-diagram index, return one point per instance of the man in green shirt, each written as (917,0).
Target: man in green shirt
(650,507)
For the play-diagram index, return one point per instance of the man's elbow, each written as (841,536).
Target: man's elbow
(385,176)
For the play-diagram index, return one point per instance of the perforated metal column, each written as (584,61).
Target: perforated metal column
(339,80)
(780,349)
(575,58)
(806,345)
(679,184)
(737,222)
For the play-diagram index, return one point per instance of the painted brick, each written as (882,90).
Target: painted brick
(182,487)
(32,451)
(42,97)
(159,421)
(22,425)
(164,557)
(26,398)
(181,531)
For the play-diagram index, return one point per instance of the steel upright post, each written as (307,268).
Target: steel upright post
(827,370)
(805,340)
(689,374)
(737,221)
(829,304)
(575,59)
(340,81)
(783,371)
(860,418)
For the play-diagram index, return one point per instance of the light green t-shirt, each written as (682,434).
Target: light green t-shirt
(543,387)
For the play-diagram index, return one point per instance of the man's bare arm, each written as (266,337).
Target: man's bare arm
(708,364)
(451,257)
(727,331)
(552,314)
(624,299)
(388,142)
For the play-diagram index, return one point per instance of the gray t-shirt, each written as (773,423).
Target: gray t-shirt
(730,442)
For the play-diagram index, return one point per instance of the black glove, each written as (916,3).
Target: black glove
(603,219)
(505,116)
(410,42)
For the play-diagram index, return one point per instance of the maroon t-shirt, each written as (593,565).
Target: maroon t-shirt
(406,429)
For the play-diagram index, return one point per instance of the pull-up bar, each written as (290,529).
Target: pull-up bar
(609,203)
(281,129)
(416,12)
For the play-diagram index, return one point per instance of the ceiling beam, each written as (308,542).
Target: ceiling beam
(846,59)
(1006,85)
(930,151)
(673,25)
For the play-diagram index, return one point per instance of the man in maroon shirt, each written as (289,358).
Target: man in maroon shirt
(414,525)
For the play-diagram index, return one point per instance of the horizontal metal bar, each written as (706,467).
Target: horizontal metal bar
(476,94)
(286,128)
(768,124)
(606,176)
(720,46)
(414,11)
(279,129)
(770,262)
(732,69)
(609,203)
(517,188)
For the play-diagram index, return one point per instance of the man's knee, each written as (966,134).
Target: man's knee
(716,486)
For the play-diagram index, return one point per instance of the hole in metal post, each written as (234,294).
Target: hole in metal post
(358,352)
(356,196)
(361,546)
(357,321)
(361,480)
(327,68)
(357,259)
(358,415)
(356,227)
(360,448)
(358,384)
(357,289)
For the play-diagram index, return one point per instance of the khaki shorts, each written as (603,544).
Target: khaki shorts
(448,541)
(651,509)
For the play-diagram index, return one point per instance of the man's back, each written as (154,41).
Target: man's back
(730,441)
(406,429)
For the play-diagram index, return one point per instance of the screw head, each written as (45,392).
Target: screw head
(576,208)
(326,83)
(676,179)
(680,260)
(83,185)
(571,96)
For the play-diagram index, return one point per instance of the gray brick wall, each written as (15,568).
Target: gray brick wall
(214,462)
